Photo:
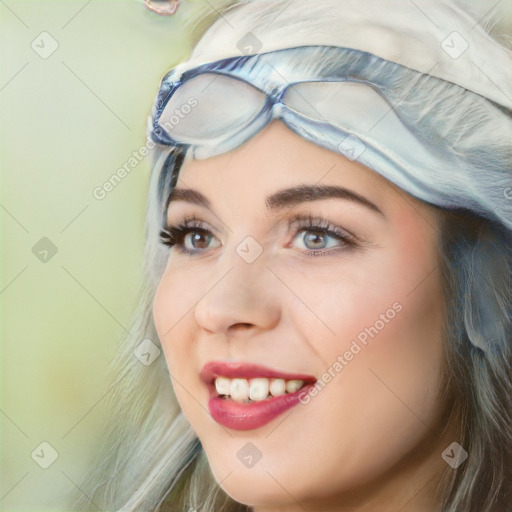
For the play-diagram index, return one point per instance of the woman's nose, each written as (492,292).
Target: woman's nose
(241,296)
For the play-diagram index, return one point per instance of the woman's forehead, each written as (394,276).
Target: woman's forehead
(277,157)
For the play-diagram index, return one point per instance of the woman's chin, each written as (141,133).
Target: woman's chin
(256,488)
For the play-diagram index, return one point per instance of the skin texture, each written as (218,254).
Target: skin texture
(370,440)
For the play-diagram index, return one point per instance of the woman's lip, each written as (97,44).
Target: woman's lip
(248,416)
(242,370)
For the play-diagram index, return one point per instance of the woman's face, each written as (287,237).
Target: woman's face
(357,307)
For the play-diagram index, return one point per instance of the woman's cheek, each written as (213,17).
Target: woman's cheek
(170,308)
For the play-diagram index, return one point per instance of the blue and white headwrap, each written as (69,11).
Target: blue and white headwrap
(416,91)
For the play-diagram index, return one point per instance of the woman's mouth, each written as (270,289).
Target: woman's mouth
(245,396)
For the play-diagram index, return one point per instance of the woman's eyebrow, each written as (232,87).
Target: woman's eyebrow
(285,198)
(189,195)
(289,197)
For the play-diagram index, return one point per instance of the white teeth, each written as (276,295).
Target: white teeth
(278,387)
(239,390)
(257,389)
(293,385)
(223,385)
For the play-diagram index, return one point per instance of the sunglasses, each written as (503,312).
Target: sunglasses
(392,119)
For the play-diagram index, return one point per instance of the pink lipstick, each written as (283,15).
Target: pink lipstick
(250,415)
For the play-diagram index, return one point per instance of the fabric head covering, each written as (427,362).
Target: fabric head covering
(416,91)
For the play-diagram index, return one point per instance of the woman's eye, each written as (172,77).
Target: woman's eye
(189,240)
(196,239)
(316,235)
(318,239)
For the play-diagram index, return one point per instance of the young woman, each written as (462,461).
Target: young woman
(328,317)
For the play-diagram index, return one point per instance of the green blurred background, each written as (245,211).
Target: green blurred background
(70,263)
(68,121)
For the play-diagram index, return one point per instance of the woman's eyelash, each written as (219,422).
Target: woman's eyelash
(314,223)
(174,235)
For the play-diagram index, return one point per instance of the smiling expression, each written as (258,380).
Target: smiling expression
(297,254)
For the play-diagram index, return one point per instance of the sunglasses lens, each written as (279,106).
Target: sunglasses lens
(209,108)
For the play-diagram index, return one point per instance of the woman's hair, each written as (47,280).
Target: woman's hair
(476,269)
(150,457)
